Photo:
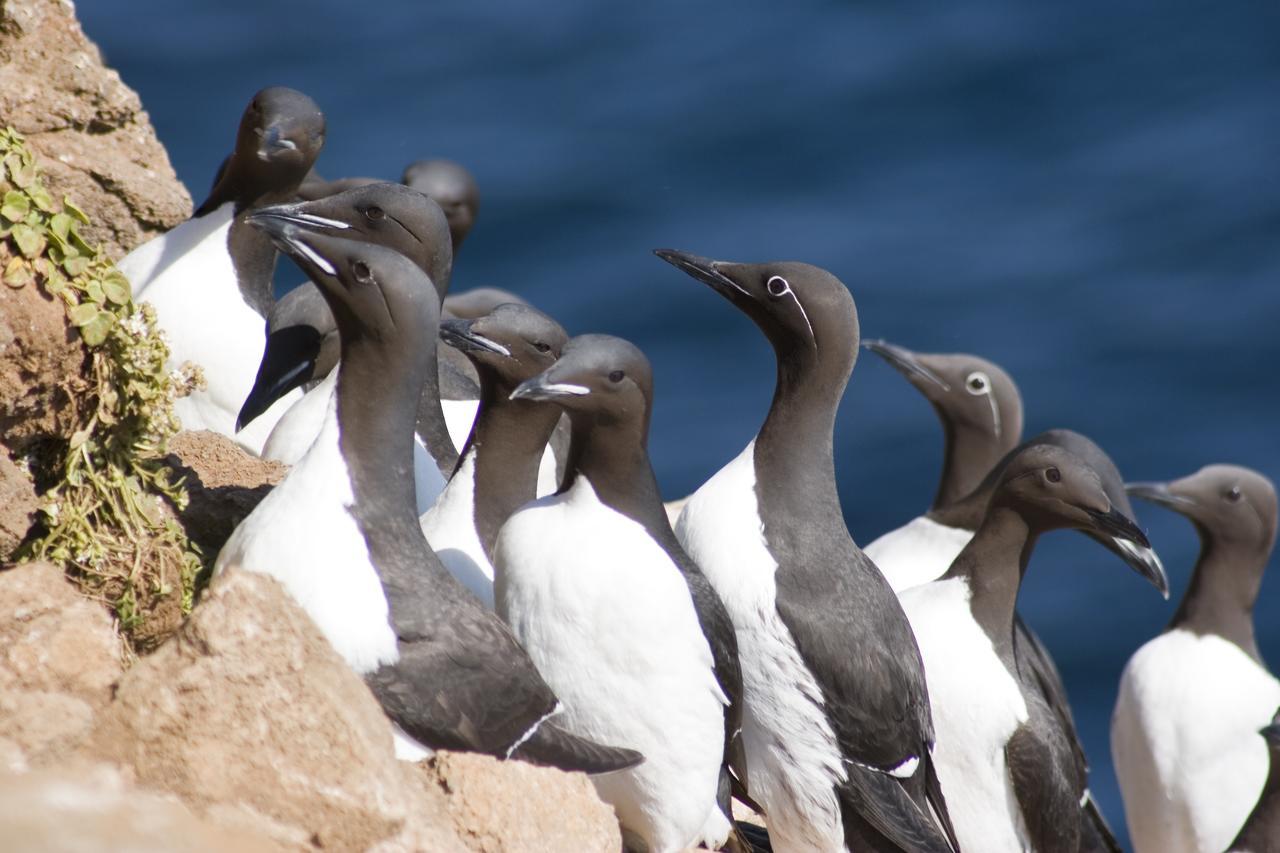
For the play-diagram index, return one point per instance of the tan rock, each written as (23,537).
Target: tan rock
(95,142)
(59,660)
(92,809)
(514,807)
(224,482)
(249,710)
(18,503)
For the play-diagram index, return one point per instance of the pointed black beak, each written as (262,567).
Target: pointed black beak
(704,270)
(286,233)
(1132,544)
(462,336)
(288,362)
(274,142)
(1142,559)
(280,215)
(905,362)
(544,387)
(1159,494)
(1271,733)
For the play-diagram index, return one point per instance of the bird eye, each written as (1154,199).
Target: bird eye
(616,376)
(978,383)
(374,212)
(541,347)
(361,271)
(777,286)
(1053,475)
(1233,494)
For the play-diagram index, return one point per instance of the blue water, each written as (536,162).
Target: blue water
(1087,194)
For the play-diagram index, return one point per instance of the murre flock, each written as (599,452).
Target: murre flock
(1008,770)
(836,720)
(1184,732)
(504,464)
(620,621)
(209,279)
(389,215)
(340,532)
(981,412)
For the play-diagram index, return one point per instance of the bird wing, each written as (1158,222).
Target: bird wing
(1040,770)
(463,683)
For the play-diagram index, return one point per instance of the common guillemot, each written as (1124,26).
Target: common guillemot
(209,278)
(340,532)
(504,463)
(836,721)
(1184,731)
(618,618)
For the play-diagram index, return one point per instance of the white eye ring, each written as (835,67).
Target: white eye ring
(978,383)
(783,289)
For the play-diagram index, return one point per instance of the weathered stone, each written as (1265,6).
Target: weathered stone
(59,660)
(248,707)
(92,809)
(95,142)
(515,807)
(224,483)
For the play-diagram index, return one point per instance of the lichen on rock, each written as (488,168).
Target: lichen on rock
(104,518)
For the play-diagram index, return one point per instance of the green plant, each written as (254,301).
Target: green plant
(105,519)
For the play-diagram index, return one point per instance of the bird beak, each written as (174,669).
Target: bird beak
(462,336)
(287,235)
(288,361)
(905,362)
(1142,559)
(1117,524)
(1161,494)
(292,214)
(1271,733)
(706,271)
(274,143)
(543,387)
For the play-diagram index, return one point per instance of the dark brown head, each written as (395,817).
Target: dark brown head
(1227,503)
(803,310)
(280,137)
(1052,488)
(478,301)
(513,342)
(597,379)
(452,187)
(390,215)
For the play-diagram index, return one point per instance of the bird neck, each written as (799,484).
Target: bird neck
(968,456)
(611,455)
(430,424)
(993,564)
(254,259)
(1224,586)
(507,443)
(795,442)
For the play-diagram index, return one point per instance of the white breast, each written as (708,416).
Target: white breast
(188,276)
(608,619)
(303,535)
(917,552)
(977,706)
(295,432)
(793,760)
(450,528)
(1184,738)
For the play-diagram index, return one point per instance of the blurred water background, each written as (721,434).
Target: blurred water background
(1088,194)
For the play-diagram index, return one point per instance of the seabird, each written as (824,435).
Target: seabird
(477,302)
(1261,832)
(617,617)
(1184,731)
(452,187)
(301,329)
(504,464)
(341,534)
(209,278)
(836,721)
(981,414)
(1007,764)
